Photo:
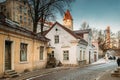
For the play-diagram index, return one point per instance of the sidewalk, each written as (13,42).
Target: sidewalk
(107,76)
(36,73)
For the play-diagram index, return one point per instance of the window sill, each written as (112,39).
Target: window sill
(41,60)
(23,62)
(65,60)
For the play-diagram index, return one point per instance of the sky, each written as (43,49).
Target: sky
(97,13)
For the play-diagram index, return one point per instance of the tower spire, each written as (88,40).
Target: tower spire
(67,20)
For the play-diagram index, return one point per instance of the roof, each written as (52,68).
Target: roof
(46,22)
(82,31)
(66,29)
(67,15)
(13,28)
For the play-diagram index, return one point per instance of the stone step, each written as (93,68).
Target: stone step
(11,73)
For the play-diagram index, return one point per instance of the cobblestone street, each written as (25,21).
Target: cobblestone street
(86,73)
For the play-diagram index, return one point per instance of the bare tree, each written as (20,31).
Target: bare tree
(85,25)
(101,40)
(42,10)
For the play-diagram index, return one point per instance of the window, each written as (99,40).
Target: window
(29,12)
(24,19)
(20,8)
(56,39)
(80,54)
(20,19)
(66,55)
(23,52)
(52,55)
(29,21)
(83,55)
(25,10)
(41,52)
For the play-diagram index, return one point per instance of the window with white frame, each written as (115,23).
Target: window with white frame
(56,38)
(23,52)
(41,52)
(66,55)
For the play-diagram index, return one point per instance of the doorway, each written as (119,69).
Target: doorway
(8,55)
(89,57)
(95,57)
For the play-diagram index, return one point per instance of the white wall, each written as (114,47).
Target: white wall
(89,48)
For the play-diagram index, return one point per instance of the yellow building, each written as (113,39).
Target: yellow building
(21,49)
(17,11)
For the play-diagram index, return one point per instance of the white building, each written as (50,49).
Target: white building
(87,36)
(69,48)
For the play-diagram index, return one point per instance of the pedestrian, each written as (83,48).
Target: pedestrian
(118,61)
(114,57)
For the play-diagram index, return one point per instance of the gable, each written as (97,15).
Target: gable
(66,29)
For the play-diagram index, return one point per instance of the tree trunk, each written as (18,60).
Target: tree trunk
(35,27)
(42,24)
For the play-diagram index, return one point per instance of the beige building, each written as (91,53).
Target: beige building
(17,11)
(21,49)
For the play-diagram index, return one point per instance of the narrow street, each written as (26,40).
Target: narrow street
(90,72)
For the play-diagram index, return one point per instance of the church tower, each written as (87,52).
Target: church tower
(108,37)
(67,20)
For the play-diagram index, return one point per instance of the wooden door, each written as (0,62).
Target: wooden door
(95,57)
(8,55)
